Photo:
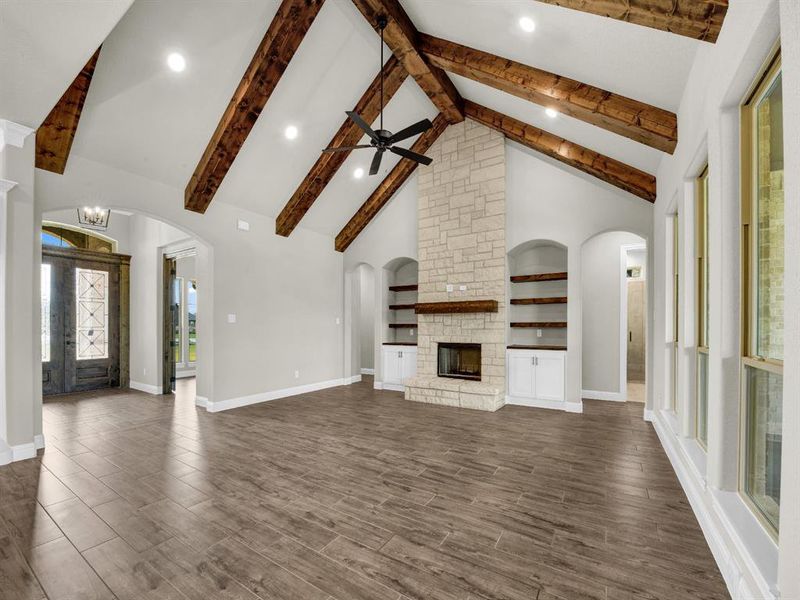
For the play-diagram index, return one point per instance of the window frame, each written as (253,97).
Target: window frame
(749,283)
(701,295)
(675,309)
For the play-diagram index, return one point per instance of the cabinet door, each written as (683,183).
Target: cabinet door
(409,362)
(520,375)
(392,370)
(549,377)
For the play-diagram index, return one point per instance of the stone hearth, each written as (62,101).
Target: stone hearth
(462,243)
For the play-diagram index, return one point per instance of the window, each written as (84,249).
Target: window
(46,285)
(701,251)
(675,310)
(48,239)
(91,290)
(762,275)
(191,319)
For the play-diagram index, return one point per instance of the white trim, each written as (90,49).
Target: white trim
(6,185)
(38,441)
(352,379)
(648,415)
(183,374)
(365,371)
(23,451)
(573,407)
(394,387)
(377,385)
(201,401)
(145,387)
(230,403)
(13,134)
(598,395)
(733,556)
(5,453)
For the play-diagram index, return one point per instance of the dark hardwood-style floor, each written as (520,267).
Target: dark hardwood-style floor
(347,494)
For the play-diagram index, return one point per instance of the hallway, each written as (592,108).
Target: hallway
(347,493)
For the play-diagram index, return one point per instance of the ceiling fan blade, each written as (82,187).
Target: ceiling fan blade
(376,162)
(420,158)
(411,130)
(346,148)
(362,124)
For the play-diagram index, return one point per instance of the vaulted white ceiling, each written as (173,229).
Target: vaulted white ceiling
(141,117)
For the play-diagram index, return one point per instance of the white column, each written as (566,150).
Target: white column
(789,545)
(20,366)
(574,330)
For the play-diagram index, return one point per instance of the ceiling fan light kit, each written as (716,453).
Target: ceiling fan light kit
(382,139)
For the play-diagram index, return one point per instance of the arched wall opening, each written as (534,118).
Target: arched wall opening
(614,317)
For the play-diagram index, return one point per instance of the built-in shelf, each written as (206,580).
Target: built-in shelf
(399,343)
(456,306)
(402,306)
(534,347)
(553,300)
(560,276)
(412,287)
(539,325)
(402,325)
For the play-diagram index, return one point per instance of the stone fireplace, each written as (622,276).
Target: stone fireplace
(462,257)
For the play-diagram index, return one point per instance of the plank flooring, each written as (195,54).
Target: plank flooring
(346,494)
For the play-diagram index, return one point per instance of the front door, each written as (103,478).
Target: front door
(80,321)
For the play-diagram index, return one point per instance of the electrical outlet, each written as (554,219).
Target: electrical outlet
(462,288)
(412,333)
(231,318)
(338,320)
(144,372)
(297,374)
(538,333)
(449,287)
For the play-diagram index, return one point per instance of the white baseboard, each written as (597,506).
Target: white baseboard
(368,371)
(648,415)
(201,401)
(145,387)
(9,454)
(230,403)
(38,441)
(351,379)
(597,395)
(378,385)
(394,387)
(574,407)
(744,579)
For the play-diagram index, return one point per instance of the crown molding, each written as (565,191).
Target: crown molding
(13,134)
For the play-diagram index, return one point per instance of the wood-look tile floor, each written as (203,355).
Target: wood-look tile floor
(346,494)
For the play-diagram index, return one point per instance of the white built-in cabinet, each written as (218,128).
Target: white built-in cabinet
(399,364)
(536,377)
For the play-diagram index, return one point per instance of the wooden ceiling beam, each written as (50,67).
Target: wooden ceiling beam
(387,188)
(607,169)
(401,37)
(349,134)
(636,120)
(55,135)
(284,35)
(698,19)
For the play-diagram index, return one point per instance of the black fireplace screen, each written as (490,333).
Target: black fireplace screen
(460,361)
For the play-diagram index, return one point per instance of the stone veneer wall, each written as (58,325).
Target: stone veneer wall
(462,242)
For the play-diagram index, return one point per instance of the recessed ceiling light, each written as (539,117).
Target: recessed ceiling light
(176,62)
(551,112)
(527,25)
(358,173)
(290,132)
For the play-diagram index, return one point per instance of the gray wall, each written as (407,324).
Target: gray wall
(366,320)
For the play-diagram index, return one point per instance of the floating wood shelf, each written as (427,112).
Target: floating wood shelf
(402,325)
(456,306)
(399,343)
(402,306)
(554,300)
(540,324)
(412,287)
(539,277)
(534,347)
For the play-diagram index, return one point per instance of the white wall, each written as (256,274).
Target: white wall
(753,565)
(603,284)
(366,320)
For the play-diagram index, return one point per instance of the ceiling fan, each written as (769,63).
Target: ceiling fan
(383,140)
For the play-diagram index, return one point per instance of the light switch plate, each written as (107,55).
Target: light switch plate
(462,288)
(231,318)
(449,287)
(242,225)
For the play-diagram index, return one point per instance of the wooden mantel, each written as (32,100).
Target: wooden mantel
(456,307)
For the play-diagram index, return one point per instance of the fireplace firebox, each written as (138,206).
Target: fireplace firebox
(460,361)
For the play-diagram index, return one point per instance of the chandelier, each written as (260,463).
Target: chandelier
(94,218)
